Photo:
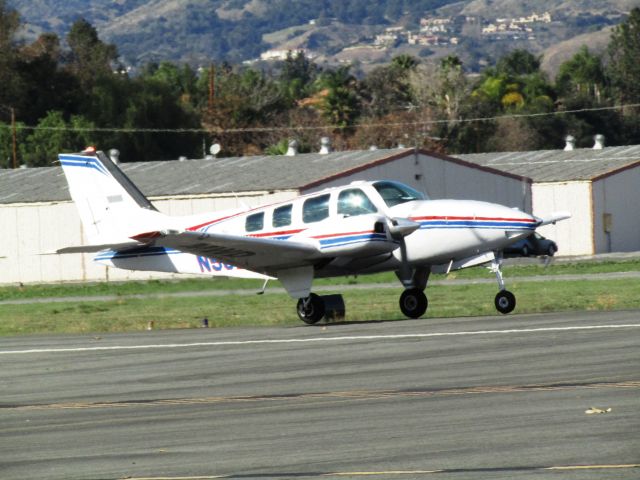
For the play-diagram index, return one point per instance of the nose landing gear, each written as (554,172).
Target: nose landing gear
(413,302)
(505,301)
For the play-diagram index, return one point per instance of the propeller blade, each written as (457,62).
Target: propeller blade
(401,227)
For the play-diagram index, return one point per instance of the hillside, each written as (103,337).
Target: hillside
(200,31)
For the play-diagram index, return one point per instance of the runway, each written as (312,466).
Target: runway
(491,397)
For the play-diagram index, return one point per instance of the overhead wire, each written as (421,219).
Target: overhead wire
(221,131)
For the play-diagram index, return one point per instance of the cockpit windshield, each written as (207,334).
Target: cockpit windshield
(395,193)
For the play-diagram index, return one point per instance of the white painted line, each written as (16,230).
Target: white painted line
(317,339)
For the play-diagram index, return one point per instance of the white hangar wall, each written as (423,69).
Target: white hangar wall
(616,220)
(445,178)
(573,236)
(29,230)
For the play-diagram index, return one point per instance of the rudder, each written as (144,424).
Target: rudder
(110,205)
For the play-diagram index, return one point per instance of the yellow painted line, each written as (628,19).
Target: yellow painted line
(391,472)
(402,472)
(328,396)
(594,467)
(206,477)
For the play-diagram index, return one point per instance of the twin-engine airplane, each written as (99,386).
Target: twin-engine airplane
(360,228)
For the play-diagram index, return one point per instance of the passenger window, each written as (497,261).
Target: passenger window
(354,202)
(282,216)
(315,209)
(254,222)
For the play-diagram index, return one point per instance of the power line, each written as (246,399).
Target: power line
(221,131)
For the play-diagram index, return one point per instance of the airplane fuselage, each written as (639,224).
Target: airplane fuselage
(349,227)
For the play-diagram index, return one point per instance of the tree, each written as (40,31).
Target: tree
(53,135)
(297,76)
(340,106)
(518,62)
(623,68)
(9,80)
(582,75)
(89,57)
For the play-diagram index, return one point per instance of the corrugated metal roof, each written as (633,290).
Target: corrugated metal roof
(196,177)
(560,165)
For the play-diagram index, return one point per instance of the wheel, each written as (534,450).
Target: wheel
(525,251)
(505,301)
(312,310)
(413,302)
(552,250)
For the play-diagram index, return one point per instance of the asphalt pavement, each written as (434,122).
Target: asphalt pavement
(491,397)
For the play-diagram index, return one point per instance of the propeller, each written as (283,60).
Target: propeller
(399,228)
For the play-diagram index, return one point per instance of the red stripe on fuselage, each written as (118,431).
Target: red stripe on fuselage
(491,219)
(329,235)
(274,234)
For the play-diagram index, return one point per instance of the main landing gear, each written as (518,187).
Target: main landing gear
(316,307)
(505,301)
(311,309)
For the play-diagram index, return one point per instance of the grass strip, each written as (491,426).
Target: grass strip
(134,314)
(17,292)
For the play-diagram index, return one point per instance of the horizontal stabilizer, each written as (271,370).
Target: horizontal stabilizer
(97,248)
(553,218)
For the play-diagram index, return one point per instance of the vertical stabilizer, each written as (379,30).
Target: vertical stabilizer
(111,207)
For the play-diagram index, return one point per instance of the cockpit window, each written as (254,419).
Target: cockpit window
(395,193)
(354,202)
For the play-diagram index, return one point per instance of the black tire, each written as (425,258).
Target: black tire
(313,311)
(525,251)
(552,250)
(505,302)
(413,303)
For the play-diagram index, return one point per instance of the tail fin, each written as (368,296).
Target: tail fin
(111,207)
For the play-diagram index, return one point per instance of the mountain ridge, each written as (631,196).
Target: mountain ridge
(201,31)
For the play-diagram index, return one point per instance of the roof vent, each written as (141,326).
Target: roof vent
(571,143)
(598,142)
(215,149)
(114,155)
(292,151)
(325,145)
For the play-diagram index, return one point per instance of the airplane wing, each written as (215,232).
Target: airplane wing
(553,218)
(257,254)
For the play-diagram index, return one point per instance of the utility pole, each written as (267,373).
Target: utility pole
(14,137)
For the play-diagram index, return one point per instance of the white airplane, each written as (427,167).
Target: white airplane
(360,228)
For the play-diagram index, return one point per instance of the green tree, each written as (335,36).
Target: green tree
(341,105)
(623,68)
(9,80)
(297,76)
(89,56)
(582,75)
(53,135)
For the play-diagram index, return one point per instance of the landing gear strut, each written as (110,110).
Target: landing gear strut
(505,301)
